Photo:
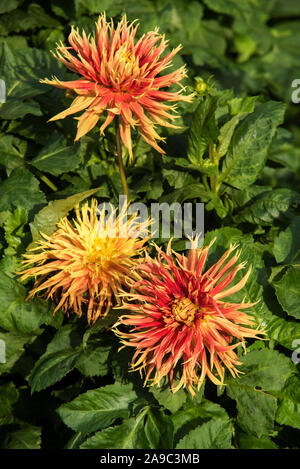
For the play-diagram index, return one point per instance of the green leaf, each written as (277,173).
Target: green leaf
(14,229)
(15,109)
(19,20)
(94,359)
(23,68)
(256,409)
(12,152)
(195,412)
(215,434)
(171,401)
(248,150)
(258,368)
(21,188)
(51,367)
(129,435)
(46,220)
(256,405)
(284,332)
(159,429)
(26,437)
(242,106)
(16,314)
(97,408)
(204,129)
(287,243)
(8,5)
(288,412)
(246,441)
(177,179)
(192,191)
(14,345)
(288,293)
(263,209)
(238,107)
(9,395)
(66,337)
(56,157)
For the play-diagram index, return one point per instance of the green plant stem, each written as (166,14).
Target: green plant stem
(48,182)
(212,159)
(119,157)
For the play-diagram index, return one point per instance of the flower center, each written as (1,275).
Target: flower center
(101,252)
(184,310)
(126,65)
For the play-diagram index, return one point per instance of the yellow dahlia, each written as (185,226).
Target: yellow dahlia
(121,76)
(180,322)
(87,261)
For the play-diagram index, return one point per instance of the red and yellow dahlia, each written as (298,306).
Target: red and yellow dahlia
(87,261)
(178,316)
(123,77)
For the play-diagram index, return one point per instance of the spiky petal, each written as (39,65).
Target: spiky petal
(87,261)
(179,319)
(122,77)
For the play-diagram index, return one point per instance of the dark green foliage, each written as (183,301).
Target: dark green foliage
(64,385)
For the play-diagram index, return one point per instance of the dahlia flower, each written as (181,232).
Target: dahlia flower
(179,318)
(87,261)
(122,77)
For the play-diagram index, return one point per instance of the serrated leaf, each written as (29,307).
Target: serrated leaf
(21,188)
(288,412)
(16,109)
(12,152)
(66,337)
(8,397)
(256,409)
(57,157)
(51,367)
(14,345)
(94,359)
(158,429)
(46,220)
(204,129)
(169,400)
(16,314)
(246,441)
(97,408)
(129,435)
(256,406)
(287,243)
(26,437)
(192,191)
(276,204)
(248,150)
(195,412)
(288,293)
(215,434)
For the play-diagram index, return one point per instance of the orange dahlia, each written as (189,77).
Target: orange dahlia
(87,261)
(122,77)
(179,320)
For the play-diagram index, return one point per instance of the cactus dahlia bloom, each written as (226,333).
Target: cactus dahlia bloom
(178,316)
(87,261)
(122,77)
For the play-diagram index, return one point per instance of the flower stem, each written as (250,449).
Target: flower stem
(49,183)
(44,178)
(119,157)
